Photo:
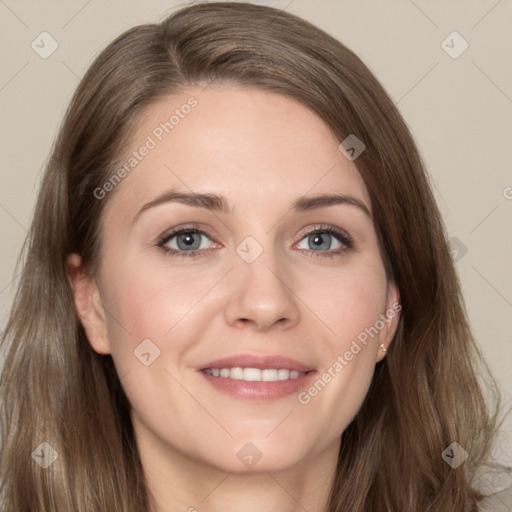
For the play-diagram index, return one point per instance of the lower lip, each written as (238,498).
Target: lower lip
(259,390)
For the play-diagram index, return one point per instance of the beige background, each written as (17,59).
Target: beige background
(459,110)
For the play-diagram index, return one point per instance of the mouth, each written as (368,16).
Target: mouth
(257,377)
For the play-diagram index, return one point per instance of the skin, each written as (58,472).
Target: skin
(262,151)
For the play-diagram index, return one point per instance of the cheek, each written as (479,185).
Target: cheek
(140,307)
(348,301)
(152,302)
(349,304)
(157,317)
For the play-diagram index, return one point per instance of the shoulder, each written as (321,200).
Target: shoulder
(500,498)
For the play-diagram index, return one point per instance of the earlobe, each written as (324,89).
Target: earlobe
(88,304)
(391,320)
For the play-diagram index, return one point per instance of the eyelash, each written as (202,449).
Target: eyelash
(342,236)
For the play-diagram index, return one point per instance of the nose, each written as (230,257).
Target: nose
(263,296)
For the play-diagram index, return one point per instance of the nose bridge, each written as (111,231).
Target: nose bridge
(262,287)
(267,274)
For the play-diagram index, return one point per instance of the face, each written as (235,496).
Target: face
(241,290)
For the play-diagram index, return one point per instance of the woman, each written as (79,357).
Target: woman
(237,291)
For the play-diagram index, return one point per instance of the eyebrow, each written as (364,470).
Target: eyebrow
(219,203)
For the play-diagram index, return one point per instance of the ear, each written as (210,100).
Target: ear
(390,319)
(88,304)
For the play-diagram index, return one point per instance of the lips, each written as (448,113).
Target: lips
(253,377)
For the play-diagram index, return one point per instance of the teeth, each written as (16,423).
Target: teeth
(236,373)
(255,374)
(283,374)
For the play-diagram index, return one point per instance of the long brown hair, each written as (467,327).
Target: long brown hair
(54,388)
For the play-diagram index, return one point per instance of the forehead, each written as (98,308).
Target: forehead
(250,145)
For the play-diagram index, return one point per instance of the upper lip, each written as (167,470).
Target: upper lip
(257,361)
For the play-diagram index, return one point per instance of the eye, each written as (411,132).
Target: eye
(186,241)
(325,240)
